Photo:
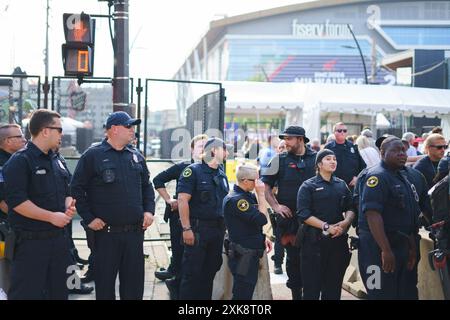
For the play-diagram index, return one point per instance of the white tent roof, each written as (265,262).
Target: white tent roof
(336,97)
(314,98)
(262,95)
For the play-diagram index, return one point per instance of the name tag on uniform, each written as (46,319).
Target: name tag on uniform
(319,189)
(352,150)
(41,171)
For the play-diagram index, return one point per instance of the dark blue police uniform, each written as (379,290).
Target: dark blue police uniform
(428,168)
(292,171)
(247,242)
(349,161)
(323,259)
(392,195)
(4,157)
(41,258)
(176,232)
(208,187)
(114,186)
(443,167)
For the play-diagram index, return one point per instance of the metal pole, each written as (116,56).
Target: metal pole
(46,86)
(121,82)
(139,94)
(360,53)
(145,118)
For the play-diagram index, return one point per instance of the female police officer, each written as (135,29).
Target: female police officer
(244,221)
(321,202)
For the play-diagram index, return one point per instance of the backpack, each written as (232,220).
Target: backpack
(439,196)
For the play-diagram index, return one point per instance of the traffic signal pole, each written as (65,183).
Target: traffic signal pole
(121,81)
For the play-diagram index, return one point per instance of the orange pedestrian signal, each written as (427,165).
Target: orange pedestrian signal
(78,51)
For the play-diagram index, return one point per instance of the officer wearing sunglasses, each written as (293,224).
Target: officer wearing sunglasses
(349,161)
(289,170)
(435,146)
(116,201)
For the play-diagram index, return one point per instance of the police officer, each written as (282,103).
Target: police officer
(11,140)
(324,205)
(116,200)
(387,225)
(201,189)
(39,208)
(171,213)
(348,158)
(443,168)
(435,146)
(289,170)
(245,219)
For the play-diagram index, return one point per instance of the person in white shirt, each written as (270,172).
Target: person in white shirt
(369,154)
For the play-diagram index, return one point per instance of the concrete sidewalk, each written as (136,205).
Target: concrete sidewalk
(154,289)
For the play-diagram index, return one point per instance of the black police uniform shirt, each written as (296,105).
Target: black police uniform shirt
(443,166)
(207,187)
(243,219)
(388,193)
(428,168)
(4,157)
(349,161)
(288,171)
(326,200)
(41,178)
(112,185)
(172,173)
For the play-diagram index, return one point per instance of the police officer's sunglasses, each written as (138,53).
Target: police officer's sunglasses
(18,136)
(59,129)
(443,146)
(341,130)
(128,126)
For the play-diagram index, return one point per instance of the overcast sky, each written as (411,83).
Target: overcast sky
(162,33)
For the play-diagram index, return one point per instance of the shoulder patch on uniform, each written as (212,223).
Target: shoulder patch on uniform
(372,182)
(187,172)
(243,205)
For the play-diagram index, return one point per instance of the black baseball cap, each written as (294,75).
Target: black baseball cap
(294,131)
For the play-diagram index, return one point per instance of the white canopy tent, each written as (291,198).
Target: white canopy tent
(315,98)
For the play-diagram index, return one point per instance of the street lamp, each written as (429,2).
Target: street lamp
(360,52)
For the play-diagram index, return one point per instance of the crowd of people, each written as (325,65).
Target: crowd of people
(315,193)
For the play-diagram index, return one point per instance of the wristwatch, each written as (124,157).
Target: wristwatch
(186,229)
(325,228)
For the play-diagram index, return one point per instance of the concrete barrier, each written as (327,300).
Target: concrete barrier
(223,282)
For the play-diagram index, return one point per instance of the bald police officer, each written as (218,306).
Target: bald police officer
(11,140)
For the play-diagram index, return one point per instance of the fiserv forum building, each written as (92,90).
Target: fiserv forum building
(311,42)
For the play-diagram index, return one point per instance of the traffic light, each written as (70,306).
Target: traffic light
(78,51)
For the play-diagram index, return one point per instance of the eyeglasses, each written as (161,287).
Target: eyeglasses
(128,126)
(341,130)
(59,129)
(18,136)
(444,146)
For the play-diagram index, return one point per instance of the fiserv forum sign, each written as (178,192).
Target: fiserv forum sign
(320,30)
